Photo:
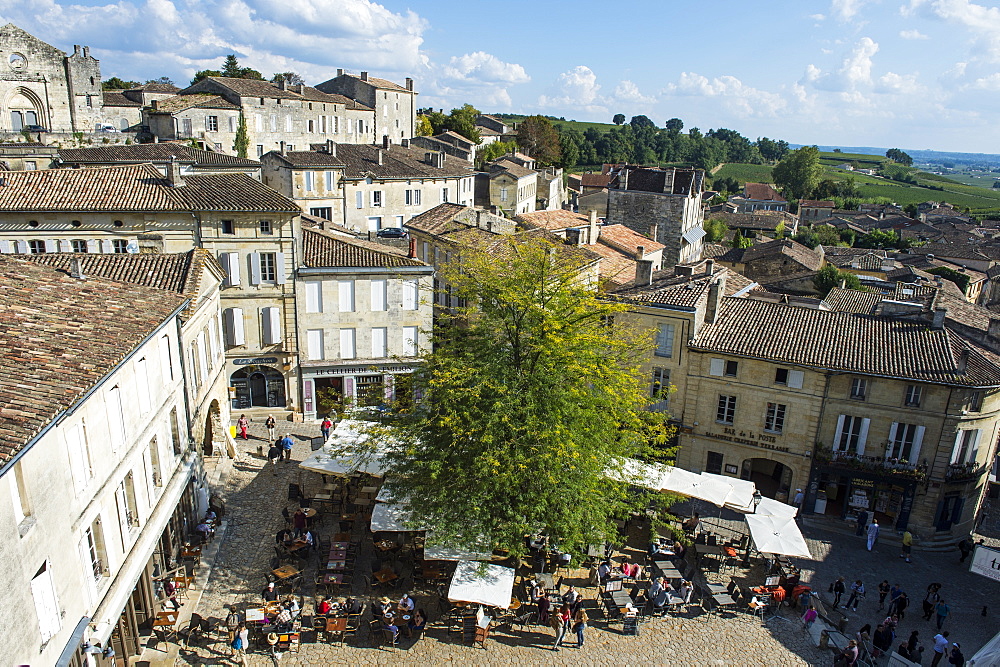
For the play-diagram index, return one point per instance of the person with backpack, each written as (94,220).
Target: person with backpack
(232,623)
(239,643)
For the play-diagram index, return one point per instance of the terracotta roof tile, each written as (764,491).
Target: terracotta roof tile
(60,336)
(116,99)
(761,192)
(179,103)
(361,160)
(554,221)
(321,249)
(681,291)
(514,169)
(627,240)
(159,152)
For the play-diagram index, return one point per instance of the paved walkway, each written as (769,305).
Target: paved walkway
(255,492)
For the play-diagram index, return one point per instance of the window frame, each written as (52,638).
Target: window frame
(859,389)
(774,417)
(913,395)
(725,412)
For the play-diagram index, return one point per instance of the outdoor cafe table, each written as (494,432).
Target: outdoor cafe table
(284,572)
(310,512)
(622,599)
(336,626)
(385,576)
(547,580)
(717,588)
(336,564)
(723,600)
(432,572)
(165,622)
(333,578)
(296,545)
(386,545)
(339,545)
(667,569)
(341,538)
(337,554)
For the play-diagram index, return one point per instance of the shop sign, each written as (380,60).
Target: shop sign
(744,437)
(986,562)
(253,362)
(857,481)
(360,370)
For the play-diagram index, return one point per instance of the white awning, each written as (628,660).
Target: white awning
(680,481)
(440,552)
(491,585)
(648,475)
(777,535)
(987,656)
(694,234)
(741,497)
(771,507)
(390,518)
(347,452)
(714,491)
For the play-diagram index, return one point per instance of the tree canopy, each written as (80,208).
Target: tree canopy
(715,230)
(619,119)
(537,136)
(291,78)
(461,120)
(241,143)
(494,150)
(830,276)
(674,125)
(899,156)
(114,83)
(232,68)
(799,172)
(529,399)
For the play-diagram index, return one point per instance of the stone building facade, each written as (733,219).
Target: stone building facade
(100,482)
(507,186)
(41,85)
(662,204)
(394,106)
(277,115)
(368,188)
(247,227)
(364,315)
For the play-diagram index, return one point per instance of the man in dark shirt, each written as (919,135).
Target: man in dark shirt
(269,594)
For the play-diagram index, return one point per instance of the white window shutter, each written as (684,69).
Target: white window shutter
(863,435)
(795,379)
(65,245)
(346,289)
(255,268)
(840,431)
(233,320)
(359,199)
(51,245)
(974,445)
(378,342)
(271,319)
(279,268)
(231,263)
(410,293)
(347,350)
(717,368)
(93,246)
(410,335)
(46,604)
(74,442)
(378,294)
(314,296)
(918,439)
(892,438)
(21,247)
(4,247)
(107,247)
(957,449)
(314,344)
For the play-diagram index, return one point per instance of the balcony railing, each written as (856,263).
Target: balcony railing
(960,472)
(875,464)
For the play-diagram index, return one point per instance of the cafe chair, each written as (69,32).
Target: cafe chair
(375,632)
(389,639)
(758,605)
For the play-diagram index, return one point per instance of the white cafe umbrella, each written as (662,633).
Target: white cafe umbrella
(482,583)
(678,480)
(775,508)
(712,490)
(347,451)
(632,471)
(987,656)
(777,535)
(441,552)
(741,497)
(391,518)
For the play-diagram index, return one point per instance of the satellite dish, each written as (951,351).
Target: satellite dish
(132,248)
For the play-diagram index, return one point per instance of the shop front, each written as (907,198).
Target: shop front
(843,493)
(258,382)
(328,389)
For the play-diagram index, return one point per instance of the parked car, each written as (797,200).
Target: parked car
(106,127)
(391,233)
(35,128)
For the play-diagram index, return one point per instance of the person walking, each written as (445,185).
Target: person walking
(883,591)
(286,446)
(239,644)
(940,646)
(965,547)
(273,455)
(580,625)
(799,496)
(559,622)
(270,424)
(941,610)
(849,656)
(873,531)
(232,625)
(809,617)
(902,602)
(857,592)
(931,600)
(325,428)
(907,545)
(837,588)
(862,522)
(956,658)
(243,424)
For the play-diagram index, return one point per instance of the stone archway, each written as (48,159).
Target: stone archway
(22,108)
(773,479)
(214,442)
(258,386)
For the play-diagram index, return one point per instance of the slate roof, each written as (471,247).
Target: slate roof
(179,103)
(160,152)
(116,99)
(846,342)
(685,292)
(304,159)
(320,249)
(316,95)
(138,187)
(761,192)
(59,337)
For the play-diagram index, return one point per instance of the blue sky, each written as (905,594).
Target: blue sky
(908,73)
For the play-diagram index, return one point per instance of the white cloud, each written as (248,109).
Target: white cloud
(898,84)
(846,10)
(576,88)
(485,68)
(627,91)
(854,71)
(981,21)
(912,34)
(738,97)
(818,17)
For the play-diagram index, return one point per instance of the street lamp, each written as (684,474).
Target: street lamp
(756,499)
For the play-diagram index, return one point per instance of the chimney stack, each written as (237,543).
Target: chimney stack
(76,269)
(939,316)
(409,83)
(644,272)
(364,76)
(379,158)
(710,267)
(282,83)
(412,253)
(574,236)
(405,143)
(281,147)
(174,173)
(654,227)
(76,49)
(331,148)
(715,294)
(963,360)
(86,52)
(340,71)
(386,141)
(594,228)
(300,88)
(640,252)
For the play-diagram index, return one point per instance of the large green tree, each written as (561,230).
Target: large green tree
(799,172)
(115,83)
(530,398)
(463,121)
(232,68)
(537,136)
(830,276)
(899,156)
